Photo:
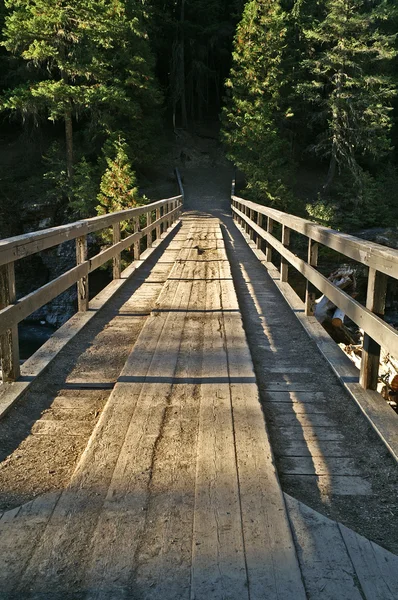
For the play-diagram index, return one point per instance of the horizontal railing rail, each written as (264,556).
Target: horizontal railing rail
(258,221)
(159,217)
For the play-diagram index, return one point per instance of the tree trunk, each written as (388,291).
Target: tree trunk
(184,118)
(331,172)
(69,144)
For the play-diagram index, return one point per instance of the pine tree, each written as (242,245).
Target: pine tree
(118,187)
(90,56)
(254,111)
(349,87)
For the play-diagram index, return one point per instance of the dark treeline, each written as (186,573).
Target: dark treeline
(311,111)
(305,90)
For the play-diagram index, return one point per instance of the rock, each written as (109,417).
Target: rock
(387,236)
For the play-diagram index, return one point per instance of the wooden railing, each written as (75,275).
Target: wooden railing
(159,217)
(258,221)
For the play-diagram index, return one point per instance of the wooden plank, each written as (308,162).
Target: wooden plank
(123,518)
(380,416)
(292,397)
(218,560)
(376,568)
(270,554)
(9,346)
(20,530)
(325,564)
(69,428)
(305,448)
(24,307)
(166,573)
(41,359)
(297,408)
(310,432)
(331,485)
(284,269)
(82,283)
(383,333)
(117,266)
(316,465)
(310,291)
(289,386)
(373,255)
(64,543)
(17,247)
(375,301)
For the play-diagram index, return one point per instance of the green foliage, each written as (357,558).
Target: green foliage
(253,116)
(372,204)
(118,189)
(348,86)
(89,59)
(84,191)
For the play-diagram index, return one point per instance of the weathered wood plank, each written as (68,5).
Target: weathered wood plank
(166,572)
(368,253)
(272,566)
(310,432)
(82,283)
(383,333)
(316,465)
(69,428)
(20,530)
(375,301)
(9,347)
(17,247)
(67,536)
(305,448)
(333,485)
(218,560)
(123,518)
(326,566)
(376,568)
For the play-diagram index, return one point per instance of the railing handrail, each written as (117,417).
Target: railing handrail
(20,246)
(371,254)
(160,215)
(382,262)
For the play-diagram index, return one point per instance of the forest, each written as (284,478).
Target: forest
(302,94)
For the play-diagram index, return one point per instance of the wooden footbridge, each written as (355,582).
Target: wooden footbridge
(178,493)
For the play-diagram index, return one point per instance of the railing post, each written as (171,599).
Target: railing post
(117,269)
(158,232)
(82,284)
(137,252)
(251,230)
(376,302)
(260,224)
(268,252)
(310,293)
(9,347)
(148,223)
(284,262)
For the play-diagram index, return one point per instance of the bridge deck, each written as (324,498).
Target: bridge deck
(176,495)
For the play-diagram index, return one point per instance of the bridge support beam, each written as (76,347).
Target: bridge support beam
(117,269)
(82,284)
(284,263)
(9,347)
(310,293)
(270,227)
(375,301)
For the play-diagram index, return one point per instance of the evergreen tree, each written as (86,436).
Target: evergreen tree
(254,111)
(349,85)
(89,56)
(118,187)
